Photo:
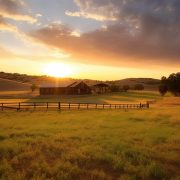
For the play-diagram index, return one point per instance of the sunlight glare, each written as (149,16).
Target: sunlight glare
(58,70)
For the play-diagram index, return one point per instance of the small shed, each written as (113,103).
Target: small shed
(75,88)
(101,88)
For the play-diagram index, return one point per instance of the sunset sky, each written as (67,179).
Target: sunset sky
(94,39)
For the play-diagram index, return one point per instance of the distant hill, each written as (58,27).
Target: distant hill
(11,85)
(148,83)
(23,81)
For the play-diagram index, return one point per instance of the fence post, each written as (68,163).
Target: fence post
(87,106)
(2,106)
(69,106)
(34,105)
(140,106)
(47,106)
(96,106)
(59,105)
(79,106)
(103,106)
(147,104)
(19,106)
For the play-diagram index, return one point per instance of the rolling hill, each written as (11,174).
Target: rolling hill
(11,85)
(22,81)
(148,83)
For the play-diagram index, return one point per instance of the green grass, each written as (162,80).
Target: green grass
(131,96)
(94,144)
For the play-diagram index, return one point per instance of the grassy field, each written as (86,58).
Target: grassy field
(121,97)
(94,144)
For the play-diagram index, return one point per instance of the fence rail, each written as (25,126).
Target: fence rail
(62,105)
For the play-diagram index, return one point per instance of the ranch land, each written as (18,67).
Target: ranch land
(92,144)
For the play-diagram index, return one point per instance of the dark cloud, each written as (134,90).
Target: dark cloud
(145,32)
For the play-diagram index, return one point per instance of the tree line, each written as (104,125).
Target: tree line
(170,84)
(117,88)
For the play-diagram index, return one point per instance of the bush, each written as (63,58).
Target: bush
(34,87)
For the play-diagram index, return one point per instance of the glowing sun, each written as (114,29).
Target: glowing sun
(58,70)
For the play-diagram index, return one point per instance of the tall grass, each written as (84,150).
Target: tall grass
(94,144)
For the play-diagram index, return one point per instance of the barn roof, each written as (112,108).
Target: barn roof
(74,84)
(61,84)
(101,85)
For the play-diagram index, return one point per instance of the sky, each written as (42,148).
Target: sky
(90,39)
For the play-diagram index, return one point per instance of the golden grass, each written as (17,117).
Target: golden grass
(94,144)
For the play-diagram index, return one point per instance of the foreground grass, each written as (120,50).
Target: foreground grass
(94,144)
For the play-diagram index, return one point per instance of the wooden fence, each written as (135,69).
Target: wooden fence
(69,106)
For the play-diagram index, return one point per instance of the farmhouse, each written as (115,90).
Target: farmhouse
(75,88)
(101,88)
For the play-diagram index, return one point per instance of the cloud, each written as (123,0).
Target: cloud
(94,16)
(88,10)
(6,27)
(144,33)
(12,9)
(5,53)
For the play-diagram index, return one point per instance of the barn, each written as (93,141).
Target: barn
(75,88)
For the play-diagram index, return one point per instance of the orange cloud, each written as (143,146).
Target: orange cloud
(6,27)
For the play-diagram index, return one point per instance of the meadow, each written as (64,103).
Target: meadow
(93,144)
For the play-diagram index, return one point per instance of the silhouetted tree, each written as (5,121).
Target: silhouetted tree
(163,89)
(139,87)
(33,87)
(171,84)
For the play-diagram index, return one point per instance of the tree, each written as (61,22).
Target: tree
(126,87)
(33,87)
(139,87)
(163,89)
(171,84)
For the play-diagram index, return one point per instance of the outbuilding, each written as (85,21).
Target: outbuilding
(101,88)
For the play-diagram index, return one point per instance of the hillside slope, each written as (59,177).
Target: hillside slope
(148,83)
(11,85)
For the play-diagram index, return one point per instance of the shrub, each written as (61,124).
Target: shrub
(155,171)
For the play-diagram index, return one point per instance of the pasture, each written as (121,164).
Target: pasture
(93,144)
(110,98)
